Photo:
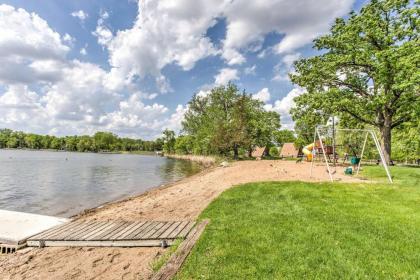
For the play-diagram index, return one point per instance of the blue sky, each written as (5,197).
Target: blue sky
(76,67)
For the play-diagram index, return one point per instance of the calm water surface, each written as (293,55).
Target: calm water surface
(63,184)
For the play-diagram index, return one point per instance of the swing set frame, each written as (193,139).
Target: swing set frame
(366,132)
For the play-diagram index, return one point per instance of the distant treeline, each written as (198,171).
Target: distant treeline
(100,141)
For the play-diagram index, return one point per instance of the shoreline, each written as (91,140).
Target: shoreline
(176,201)
(112,203)
(206,161)
(141,153)
(207,166)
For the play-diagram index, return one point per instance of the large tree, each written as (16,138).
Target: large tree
(368,69)
(226,120)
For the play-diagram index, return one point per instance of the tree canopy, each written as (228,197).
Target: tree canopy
(367,72)
(227,120)
(100,141)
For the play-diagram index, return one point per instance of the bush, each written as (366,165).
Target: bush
(274,152)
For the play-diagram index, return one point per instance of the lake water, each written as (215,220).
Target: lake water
(63,184)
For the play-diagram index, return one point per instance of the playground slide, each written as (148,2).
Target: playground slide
(307,150)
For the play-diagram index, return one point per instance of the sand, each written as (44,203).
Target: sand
(185,199)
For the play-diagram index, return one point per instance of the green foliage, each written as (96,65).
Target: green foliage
(101,141)
(274,152)
(184,145)
(298,230)
(169,141)
(284,136)
(226,121)
(367,73)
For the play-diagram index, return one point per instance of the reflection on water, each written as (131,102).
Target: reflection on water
(61,183)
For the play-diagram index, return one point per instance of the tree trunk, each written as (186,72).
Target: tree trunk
(250,152)
(235,151)
(386,141)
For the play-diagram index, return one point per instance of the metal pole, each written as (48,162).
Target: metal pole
(312,161)
(361,155)
(325,157)
(334,143)
(378,147)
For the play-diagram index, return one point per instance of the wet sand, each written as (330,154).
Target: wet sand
(185,199)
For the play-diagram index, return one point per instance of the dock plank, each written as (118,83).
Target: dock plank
(100,226)
(161,230)
(65,232)
(82,228)
(105,227)
(186,230)
(166,233)
(93,226)
(136,226)
(176,231)
(152,231)
(146,227)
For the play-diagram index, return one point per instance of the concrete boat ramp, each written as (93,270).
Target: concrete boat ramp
(17,227)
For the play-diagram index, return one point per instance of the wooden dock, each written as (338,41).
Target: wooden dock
(113,234)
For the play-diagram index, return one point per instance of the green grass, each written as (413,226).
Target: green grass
(296,230)
(157,263)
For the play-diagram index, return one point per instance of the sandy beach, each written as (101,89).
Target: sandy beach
(185,199)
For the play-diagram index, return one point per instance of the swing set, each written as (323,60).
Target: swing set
(326,149)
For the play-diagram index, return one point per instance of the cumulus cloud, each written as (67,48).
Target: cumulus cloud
(299,21)
(83,51)
(282,69)
(47,93)
(102,32)
(250,70)
(71,96)
(167,31)
(283,106)
(263,95)
(26,39)
(80,14)
(174,31)
(226,75)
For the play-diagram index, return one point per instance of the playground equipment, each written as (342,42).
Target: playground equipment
(325,145)
(307,150)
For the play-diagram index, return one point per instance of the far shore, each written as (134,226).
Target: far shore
(151,153)
(182,200)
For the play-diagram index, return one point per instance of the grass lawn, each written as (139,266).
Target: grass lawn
(295,230)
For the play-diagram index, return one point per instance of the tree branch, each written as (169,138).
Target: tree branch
(352,87)
(358,117)
(400,121)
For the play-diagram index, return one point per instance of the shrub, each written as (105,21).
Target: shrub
(274,152)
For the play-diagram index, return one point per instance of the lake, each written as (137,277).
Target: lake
(64,183)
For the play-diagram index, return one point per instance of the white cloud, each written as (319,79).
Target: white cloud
(175,121)
(283,107)
(282,69)
(47,93)
(70,96)
(164,32)
(263,95)
(26,38)
(225,75)
(173,32)
(80,14)
(299,21)
(250,70)
(102,32)
(83,51)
